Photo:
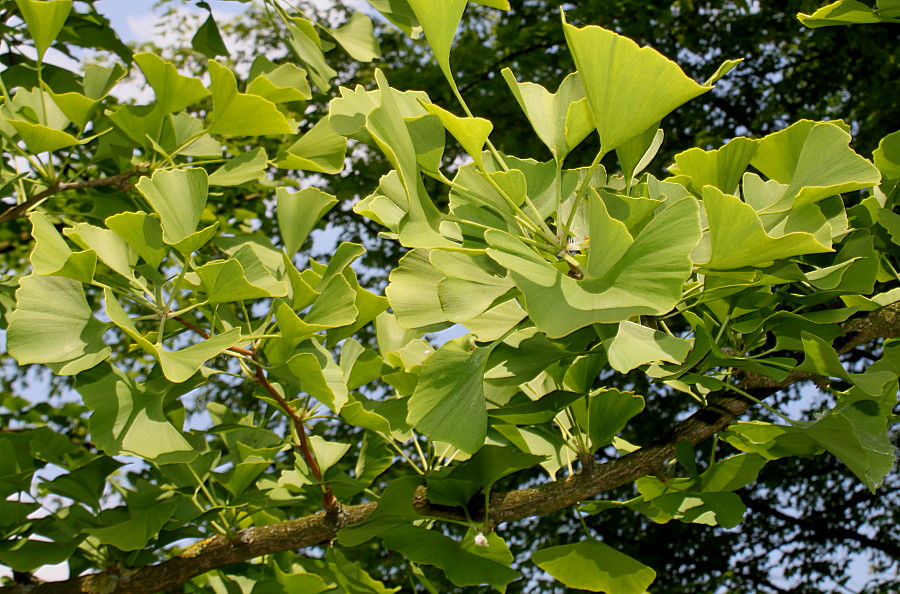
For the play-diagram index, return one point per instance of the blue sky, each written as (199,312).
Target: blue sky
(134,19)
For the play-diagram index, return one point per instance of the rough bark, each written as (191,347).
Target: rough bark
(593,479)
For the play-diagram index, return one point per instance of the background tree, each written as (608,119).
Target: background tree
(224,209)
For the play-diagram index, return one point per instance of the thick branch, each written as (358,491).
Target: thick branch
(505,507)
(121,180)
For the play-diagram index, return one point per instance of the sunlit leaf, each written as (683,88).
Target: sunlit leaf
(628,87)
(448,404)
(61,332)
(242,114)
(44,20)
(173,91)
(178,197)
(127,419)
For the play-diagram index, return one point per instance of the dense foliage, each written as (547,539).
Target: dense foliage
(586,288)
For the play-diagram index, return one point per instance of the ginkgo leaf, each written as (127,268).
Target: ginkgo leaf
(641,277)
(278,83)
(439,22)
(178,366)
(246,167)
(298,213)
(357,38)
(737,236)
(721,168)
(845,12)
(815,160)
(173,91)
(562,119)
(178,197)
(635,345)
(53,257)
(127,419)
(448,404)
(143,233)
(61,332)
(472,133)
(321,150)
(242,114)
(596,567)
(628,87)
(44,20)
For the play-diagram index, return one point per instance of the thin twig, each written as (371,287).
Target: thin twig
(328,498)
(121,180)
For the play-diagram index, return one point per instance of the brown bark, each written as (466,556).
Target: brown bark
(594,479)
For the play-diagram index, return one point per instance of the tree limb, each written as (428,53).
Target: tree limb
(592,480)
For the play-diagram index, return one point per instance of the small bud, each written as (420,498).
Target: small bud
(481,540)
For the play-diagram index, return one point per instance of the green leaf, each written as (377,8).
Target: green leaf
(635,154)
(771,441)
(178,366)
(246,167)
(635,345)
(413,293)
(721,168)
(208,40)
(481,471)
(173,91)
(321,150)
(448,404)
(856,432)
(241,114)
(52,255)
(351,577)
(278,83)
(439,22)
(605,413)
(40,138)
(644,278)
(472,133)
(178,196)
(225,281)
(596,567)
(357,38)
(628,88)
(25,554)
(308,48)
(815,160)
(887,156)
(76,106)
(99,80)
(562,119)
(732,473)
(298,214)
(712,509)
(135,533)
(313,369)
(61,332)
(844,12)
(461,567)
(85,484)
(738,239)
(109,247)
(395,508)
(129,420)
(44,19)
(420,226)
